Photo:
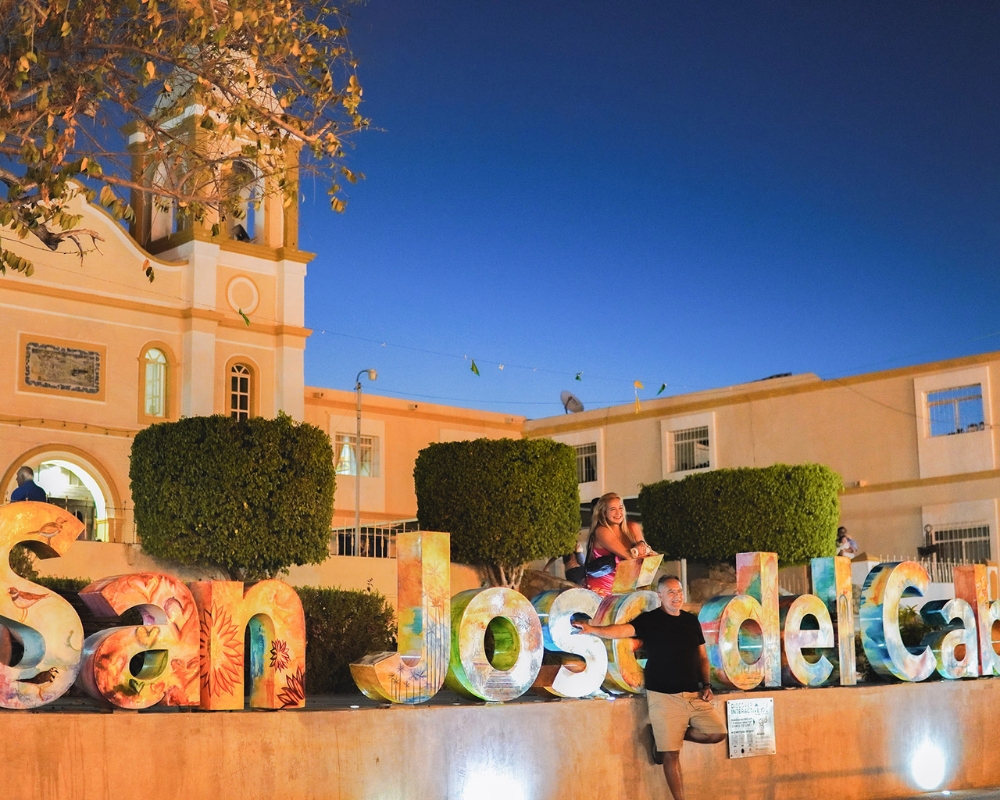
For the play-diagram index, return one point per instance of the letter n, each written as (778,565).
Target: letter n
(269,615)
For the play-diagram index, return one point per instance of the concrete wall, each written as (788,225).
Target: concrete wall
(94,560)
(838,742)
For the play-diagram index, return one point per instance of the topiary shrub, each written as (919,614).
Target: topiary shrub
(711,516)
(59,584)
(248,497)
(22,561)
(505,502)
(341,627)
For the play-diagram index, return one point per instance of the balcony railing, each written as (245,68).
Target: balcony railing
(378,540)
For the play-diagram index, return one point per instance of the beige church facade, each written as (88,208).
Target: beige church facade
(91,352)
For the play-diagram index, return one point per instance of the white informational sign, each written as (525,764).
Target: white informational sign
(751,727)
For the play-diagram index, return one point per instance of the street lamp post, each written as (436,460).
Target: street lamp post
(357,462)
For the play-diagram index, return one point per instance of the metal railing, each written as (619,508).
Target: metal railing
(378,540)
(939,570)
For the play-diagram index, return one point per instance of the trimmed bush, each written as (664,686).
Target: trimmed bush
(711,516)
(248,497)
(342,626)
(505,502)
(22,561)
(66,585)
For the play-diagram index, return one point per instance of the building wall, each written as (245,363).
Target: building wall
(402,428)
(873,429)
(103,303)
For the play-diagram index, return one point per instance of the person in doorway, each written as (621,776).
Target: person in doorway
(613,538)
(846,546)
(678,691)
(27,489)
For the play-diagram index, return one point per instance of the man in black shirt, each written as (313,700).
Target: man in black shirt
(678,691)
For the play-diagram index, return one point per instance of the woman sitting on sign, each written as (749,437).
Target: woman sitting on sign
(612,539)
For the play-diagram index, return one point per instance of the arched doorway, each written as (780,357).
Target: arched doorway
(73,483)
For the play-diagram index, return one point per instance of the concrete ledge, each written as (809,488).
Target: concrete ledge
(840,742)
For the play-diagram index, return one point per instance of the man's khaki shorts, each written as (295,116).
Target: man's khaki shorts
(672,714)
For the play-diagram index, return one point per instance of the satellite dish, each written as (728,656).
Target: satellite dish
(571,402)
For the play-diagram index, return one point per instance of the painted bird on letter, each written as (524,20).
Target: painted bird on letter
(24,600)
(41,680)
(49,529)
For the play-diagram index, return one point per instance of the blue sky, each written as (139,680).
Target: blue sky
(697,194)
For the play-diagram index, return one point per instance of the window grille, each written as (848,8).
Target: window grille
(963,543)
(154,403)
(239,391)
(691,449)
(958,410)
(586,462)
(345,455)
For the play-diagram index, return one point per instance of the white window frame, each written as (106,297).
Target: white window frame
(588,491)
(586,455)
(154,401)
(975,533)
(669,430)
(344,446)
(970,452)
(241,373)
(933,400)
(963,515)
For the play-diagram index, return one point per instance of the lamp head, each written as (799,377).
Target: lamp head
(372,374)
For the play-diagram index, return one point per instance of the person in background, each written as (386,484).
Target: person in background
(678,688)
(27,489)
(846,546)
(611,535)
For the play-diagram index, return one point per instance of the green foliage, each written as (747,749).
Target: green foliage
(22,561)
(58,584)
(270,77)
(789,510)
(505,502)
(251,497)
(341,627)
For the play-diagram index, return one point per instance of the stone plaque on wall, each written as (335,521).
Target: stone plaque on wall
(62,368)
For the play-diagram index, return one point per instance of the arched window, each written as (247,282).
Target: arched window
(154,402)
(240,389)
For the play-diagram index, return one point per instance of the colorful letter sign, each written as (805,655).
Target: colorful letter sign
(417,671)
(884,587)
(624,672)
(746,623)
(555,610)
(831,583)
(44,624)
(796,669)
(273,613)
(948,637)
(517,644)
(167,638)
(973,585)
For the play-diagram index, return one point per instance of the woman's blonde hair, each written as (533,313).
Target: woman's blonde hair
(599,517)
